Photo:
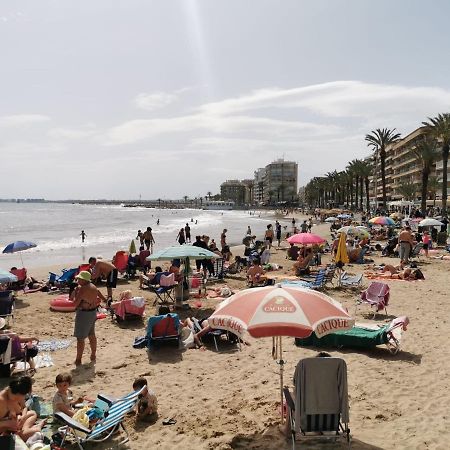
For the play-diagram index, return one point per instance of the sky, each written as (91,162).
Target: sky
(162,99)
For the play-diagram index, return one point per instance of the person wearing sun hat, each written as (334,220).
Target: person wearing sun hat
(86,298)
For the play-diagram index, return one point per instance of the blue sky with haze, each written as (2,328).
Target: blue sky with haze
(104,99)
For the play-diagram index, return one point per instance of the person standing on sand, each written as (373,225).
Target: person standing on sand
(187,232)
(223,238)
(83,236)
(278,232)
(249,231)
(148,239)
(86,298)
(100,269)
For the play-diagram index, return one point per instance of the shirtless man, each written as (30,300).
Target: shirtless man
(86,299)
(14,416)
(148,238)
(105,269)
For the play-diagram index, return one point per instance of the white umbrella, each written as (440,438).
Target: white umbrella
(331,219)
(430,223)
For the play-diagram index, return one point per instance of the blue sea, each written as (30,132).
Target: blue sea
(56,228)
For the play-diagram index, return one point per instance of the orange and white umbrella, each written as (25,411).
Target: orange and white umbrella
(277,311)
(280,311)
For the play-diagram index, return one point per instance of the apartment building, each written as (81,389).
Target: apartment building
(402,168)
(280,182)
(233,190)
(258,186)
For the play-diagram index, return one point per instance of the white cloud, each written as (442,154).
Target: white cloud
(22,120)
(156,100)
(70,133)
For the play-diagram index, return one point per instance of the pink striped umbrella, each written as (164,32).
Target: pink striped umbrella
(306,239)
(277,311)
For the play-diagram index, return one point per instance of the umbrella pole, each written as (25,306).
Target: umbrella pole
(21,260)
(281,362)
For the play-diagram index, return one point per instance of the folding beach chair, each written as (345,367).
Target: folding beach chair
(214,335)
(163,292)
(347,280)
(319,408)
(21,275)
(7,305)
(415,253)
(163,329)
(318,282)
(376,296)
(64,280)
(113,417)
(120,261)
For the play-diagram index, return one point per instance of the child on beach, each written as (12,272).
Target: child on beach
(63,400)
(147,407)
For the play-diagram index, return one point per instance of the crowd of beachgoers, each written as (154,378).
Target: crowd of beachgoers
(97,329)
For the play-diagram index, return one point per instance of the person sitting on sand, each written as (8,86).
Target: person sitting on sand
(14,416)
(147,406)
(292,252)
(63,400)
(255,274)
(301,266)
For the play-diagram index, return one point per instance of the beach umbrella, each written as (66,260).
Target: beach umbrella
(182,252)
(7,277)
(19,246)
(359,231)
(430,223)
(306,239)
(331,219)
(396,215)
(382,220)
(132,248)
(277,311)
(344,216)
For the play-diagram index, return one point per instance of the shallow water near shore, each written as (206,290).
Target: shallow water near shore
(56,228)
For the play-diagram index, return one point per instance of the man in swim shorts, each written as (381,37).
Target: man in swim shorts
(86,298)
(104,269)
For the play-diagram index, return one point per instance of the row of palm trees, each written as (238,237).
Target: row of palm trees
(347,187)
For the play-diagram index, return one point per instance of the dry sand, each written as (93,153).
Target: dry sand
(230,399)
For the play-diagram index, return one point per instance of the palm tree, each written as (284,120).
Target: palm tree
(365,171)
(209,194)
(379,140)
(439,128)
(407,189)
(185,198)
(426,154)
(434,185)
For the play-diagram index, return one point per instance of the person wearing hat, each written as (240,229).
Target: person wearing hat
(86,298)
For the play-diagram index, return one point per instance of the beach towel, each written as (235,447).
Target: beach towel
(320,388)
(53,345)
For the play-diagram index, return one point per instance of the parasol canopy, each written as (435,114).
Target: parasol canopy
(430,223)
(306,239)
(382,220)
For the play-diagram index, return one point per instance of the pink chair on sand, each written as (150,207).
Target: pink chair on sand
(376,296)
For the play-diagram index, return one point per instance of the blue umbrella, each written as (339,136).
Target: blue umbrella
(19,246)
(6,277)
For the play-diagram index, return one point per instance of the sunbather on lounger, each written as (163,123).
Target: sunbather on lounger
(151,278)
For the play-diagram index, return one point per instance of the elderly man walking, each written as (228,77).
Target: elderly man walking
(405,243)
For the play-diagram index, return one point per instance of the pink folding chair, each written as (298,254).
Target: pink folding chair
(376,296)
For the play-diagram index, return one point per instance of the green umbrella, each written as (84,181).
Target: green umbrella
(132,248)
(182,252)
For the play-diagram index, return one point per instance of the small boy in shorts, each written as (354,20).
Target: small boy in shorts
(147,407)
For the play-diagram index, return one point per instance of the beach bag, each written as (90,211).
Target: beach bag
(187,338)
(81,417)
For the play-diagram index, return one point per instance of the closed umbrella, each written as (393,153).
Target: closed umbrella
(306,239)
(132,248)
(277,311)
(7,277)
(19,246)
(341,257)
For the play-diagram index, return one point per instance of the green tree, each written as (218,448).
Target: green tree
(407,189)
(379,140)
(439,128)
(365,170)
(425,154)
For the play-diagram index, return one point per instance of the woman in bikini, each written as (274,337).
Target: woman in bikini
(14,416)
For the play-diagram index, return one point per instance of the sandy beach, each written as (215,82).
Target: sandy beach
(230,399)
